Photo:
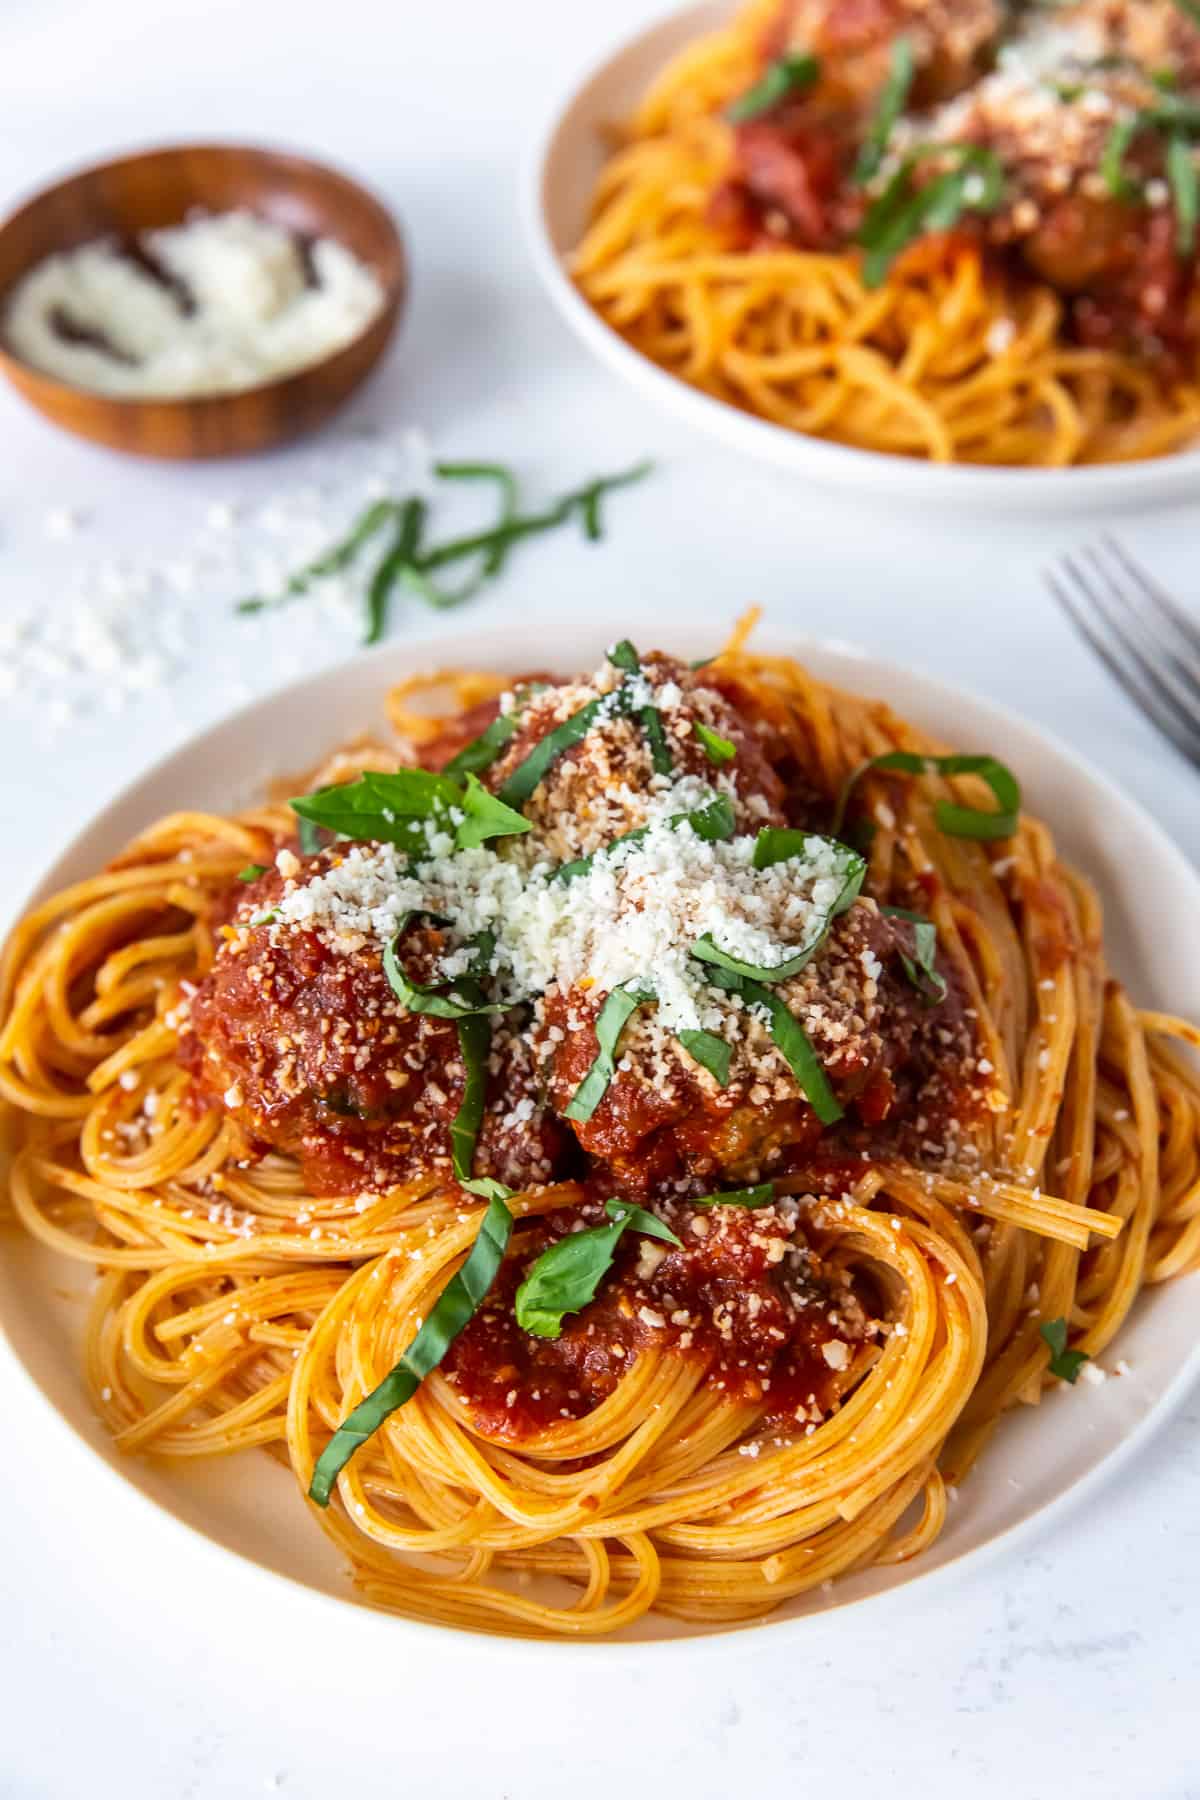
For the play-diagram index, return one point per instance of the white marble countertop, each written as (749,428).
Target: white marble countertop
(130,1665)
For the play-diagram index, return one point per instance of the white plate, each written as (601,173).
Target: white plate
(567,156)
(249,1506)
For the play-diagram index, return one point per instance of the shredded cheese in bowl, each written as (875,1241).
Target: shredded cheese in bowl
(223,302)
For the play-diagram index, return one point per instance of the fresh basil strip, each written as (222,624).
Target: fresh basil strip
(1112,159)
(486,816)
(252,871)
(853,870)
(650,720)
(619,1007)
(892,102)
(484,750)
(486,1188)
(510,500)
(309,836)
(921,968)
(458,999)
(711,1052)
(762,1195)
(1185,191)
(905,210)
(1190,10)
(713,822)
(330,562)
(1064,1363)
(546,752)
(396,809)
(385,809)
(718,749)
(776,843)
(565,1277)
(791,1040)
(474,1041)
(786,75)
(624,656)
(403,551)
(585,500)
(954,820)
(454,1308)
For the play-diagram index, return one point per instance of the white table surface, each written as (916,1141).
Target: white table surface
(130,1663)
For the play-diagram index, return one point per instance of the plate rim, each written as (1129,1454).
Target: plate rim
(406,656)
(889,478)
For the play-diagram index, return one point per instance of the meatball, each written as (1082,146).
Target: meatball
(952,43)
(666,1118)
(1049,123)
(1156,35)
(302,1041)
(606,784)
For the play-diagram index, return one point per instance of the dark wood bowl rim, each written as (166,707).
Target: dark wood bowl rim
(394,281)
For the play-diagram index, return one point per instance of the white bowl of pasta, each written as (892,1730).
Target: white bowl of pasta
(943,382)
(241,1306)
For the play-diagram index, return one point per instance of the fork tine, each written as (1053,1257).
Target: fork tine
(1163,659)
(1160,600)
(1187,745)
(1185,714)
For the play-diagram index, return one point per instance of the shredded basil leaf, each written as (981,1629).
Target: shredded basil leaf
(339,556)
(892,102)
(484,750)
(921,968)
(565,1277)
(510,500)
(458,999)
(546,752)
(485,817)
(618,1008)
(906,211)
(309,837)
(623,656)
(776,843)
(1064,1363)
(454,1308)
(1185,191)
(711,1052)
(786,75)
(853,869)
(718,749)
(954,820)
(753,1197)
(382,808)
(252,871)
(474,1041)
(790,1039)
(402,553)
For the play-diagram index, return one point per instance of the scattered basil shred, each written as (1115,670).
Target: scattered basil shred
(786,75)
(719,750)
(953,819)
(1064,1363)
(565,1277)
(454,1308)
(711,1052)
(892,102)
(616,1012)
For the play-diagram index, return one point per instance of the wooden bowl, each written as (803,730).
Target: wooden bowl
(160,187)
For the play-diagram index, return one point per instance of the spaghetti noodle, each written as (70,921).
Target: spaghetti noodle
(1057,329)
(803,1333)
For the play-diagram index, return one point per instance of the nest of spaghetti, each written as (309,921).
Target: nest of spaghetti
(957,231)
(623,1144)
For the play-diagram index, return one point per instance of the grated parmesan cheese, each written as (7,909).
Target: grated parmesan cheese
(236,308)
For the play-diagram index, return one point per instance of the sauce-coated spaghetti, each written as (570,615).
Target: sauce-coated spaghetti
(631,1166)
(954,230)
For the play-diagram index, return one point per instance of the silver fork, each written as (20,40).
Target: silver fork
(1145,640)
